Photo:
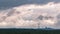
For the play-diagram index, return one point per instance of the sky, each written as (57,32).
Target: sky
(13,3)
(30,14)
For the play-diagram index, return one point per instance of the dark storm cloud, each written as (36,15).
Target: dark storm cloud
(13,3)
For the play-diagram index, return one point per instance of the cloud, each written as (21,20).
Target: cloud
(28,16)
(5,4)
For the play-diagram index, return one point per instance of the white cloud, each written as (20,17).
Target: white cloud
(15,16)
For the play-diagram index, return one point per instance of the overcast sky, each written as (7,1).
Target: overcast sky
(25,13)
